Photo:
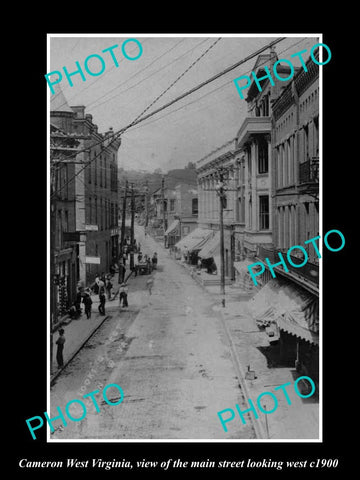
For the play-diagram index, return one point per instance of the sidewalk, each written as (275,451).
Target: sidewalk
(78,331)
(251,349)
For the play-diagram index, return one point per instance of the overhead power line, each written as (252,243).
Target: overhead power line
(118,134)
(189,92)
(141,118)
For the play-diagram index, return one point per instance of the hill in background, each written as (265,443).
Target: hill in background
(153,179)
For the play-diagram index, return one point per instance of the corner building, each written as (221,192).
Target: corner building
(88,210)
(254,205)
(295,212)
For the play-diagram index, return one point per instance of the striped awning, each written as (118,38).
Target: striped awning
(195,240)
(211,247)
(295,310)
(173,227)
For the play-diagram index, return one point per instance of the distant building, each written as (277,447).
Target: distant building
(179,207)
(209,206)
(182,212)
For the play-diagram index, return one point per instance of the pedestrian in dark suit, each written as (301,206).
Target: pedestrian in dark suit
(101,306)
(87,303)
(60,348)
(122,271)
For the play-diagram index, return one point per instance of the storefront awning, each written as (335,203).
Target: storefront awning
(295,310)
(172,227)
(195,240)
(211,247)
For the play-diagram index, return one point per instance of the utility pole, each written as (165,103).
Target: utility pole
(122,238)
(132,227)
(220,189)
(53,289)
(146,203)
(163,205)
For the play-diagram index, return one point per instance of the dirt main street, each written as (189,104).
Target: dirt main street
(169,354)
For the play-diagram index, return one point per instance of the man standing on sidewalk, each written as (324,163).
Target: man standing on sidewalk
(122,271)
(60,348)
(87,303)
(102,299)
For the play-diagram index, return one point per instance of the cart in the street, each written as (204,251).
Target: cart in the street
(144,268)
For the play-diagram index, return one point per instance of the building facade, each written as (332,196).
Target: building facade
(253,169)
(295,212)
(208,171)
(182,212)
(99,185)
(88,211)
(64,247)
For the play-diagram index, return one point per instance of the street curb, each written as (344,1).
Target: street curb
(258,427)
(55,376)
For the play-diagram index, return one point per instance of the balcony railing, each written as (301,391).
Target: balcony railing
(309,171)
(310,271)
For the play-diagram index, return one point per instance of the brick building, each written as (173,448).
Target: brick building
(88,203)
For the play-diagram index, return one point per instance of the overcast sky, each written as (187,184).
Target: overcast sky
(189,129)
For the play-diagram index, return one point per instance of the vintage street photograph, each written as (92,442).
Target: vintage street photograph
(184,237)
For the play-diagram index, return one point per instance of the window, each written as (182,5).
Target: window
(90,210)
(195,208)
(288,148)
(266,105)
(95,169)
(306,143)
(316,136)
(264,212)
(172,204)
(263,156)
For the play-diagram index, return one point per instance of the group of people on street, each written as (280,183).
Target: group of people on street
(102,286)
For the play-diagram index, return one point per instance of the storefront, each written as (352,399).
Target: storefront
(114,245)
(66,279)
(190,245)
(172,234)
(290,316)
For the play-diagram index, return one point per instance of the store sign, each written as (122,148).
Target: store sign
(92,228)
(95,260)
(71,236)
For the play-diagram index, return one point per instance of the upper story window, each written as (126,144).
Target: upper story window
(195,208)
(264,212)
(263,156)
